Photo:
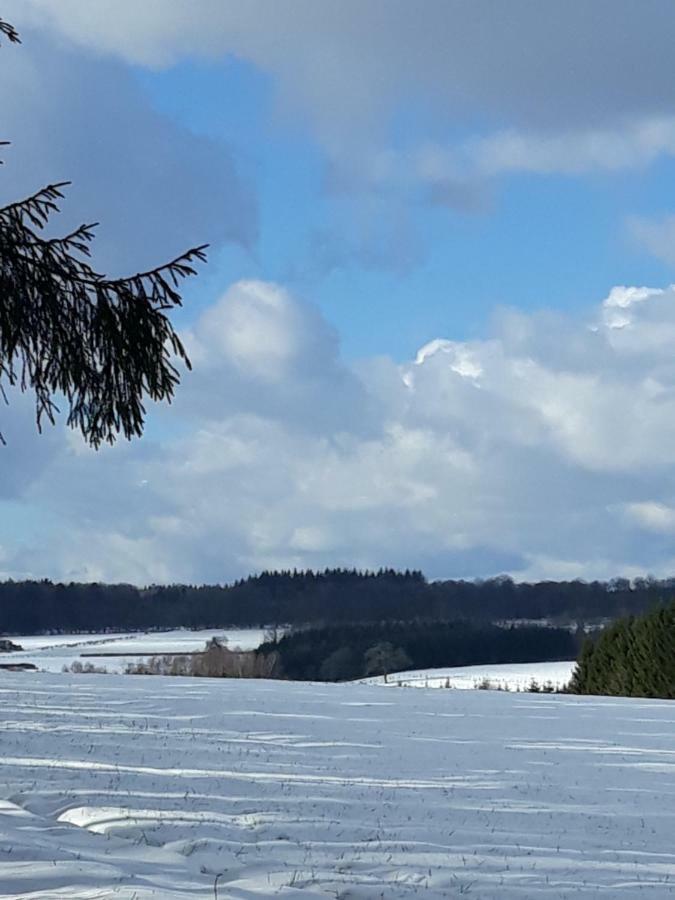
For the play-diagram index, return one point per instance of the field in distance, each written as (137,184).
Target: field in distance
(51,652)
(497,676)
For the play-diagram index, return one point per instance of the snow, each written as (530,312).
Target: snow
(511,676)
(140,787)
(51,652)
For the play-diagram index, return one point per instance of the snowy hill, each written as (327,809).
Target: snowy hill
(504,676)
(140,787)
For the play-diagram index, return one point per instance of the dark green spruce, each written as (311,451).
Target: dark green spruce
(634,657)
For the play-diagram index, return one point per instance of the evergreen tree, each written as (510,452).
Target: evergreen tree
(634,657)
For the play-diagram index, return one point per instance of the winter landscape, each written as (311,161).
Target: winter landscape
(337,449)
(138,787)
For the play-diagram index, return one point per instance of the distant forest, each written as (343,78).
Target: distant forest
(335,596)
(342,652)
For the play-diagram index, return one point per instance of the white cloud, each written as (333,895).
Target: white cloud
(624,145)
(652,516)
(259,349)
(547,449)
(460,358)
(453,172)
(618,307)
(642,321)
(260,330)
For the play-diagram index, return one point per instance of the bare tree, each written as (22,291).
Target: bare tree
(383,658)
(66,330)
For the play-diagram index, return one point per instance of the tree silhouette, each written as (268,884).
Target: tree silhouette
(65,329)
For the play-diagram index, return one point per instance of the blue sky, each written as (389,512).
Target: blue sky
(423,336)
(533,241)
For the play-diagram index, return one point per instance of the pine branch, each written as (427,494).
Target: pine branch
(9,32)
(105,344)
(66,330)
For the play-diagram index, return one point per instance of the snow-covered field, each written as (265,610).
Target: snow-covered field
(511,676)
(51,652)
(138,787)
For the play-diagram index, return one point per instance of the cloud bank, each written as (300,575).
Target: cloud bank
(544,450)
(594,89)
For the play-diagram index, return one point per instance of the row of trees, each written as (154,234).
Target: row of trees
(217,660)
(634,657)
(331,596)
(343,652)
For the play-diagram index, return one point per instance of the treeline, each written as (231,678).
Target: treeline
(342,652)
(330,597)
(634,657)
